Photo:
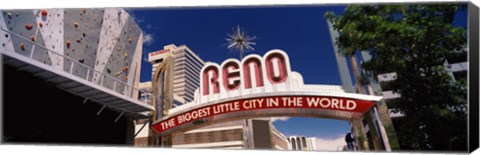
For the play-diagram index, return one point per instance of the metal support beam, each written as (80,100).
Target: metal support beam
(40,73)
(143,126)
(81,89)
(118,102)
(109,99)
(88,92)
(69,85)
(100,111)
(100,95)
(24,67)
(56,78)
(118,117)
(71,67)
(88,74)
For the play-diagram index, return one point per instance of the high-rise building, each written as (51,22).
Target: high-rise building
(186,69)
(302,143)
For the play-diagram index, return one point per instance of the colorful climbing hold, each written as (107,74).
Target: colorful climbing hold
(126,78)
(75,25)
(44,12)
(79,40)
(40,24)
(9,15)
(118,73)
(32,37)
(22,46)
(68,43)
(84,10)
(29,26)
(126,68)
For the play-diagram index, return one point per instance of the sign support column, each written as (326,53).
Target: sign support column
(162,85)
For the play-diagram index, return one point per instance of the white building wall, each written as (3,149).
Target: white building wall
(186,70)
(310,143)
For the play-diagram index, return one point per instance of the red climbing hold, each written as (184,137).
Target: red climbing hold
(126,68)
(79,41)
(68,43)
(22,46)
(32,38)
(40,24)
(29,26)
(44,12)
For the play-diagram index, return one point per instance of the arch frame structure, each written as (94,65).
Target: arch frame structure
(257,106)
(260,87)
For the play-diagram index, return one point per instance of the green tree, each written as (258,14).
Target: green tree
(414,41)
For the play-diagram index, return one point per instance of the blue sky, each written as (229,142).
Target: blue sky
(301,31)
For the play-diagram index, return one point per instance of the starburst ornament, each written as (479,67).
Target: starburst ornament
(238,40)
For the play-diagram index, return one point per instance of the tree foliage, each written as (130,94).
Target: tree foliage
(414,41)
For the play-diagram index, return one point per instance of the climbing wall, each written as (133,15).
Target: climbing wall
(23,23)
(82,29)
(50,23)
(104,40)
(5,41)
(121,57)
(136,62)
(111,36)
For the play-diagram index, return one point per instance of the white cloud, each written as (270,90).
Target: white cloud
(141,20)
(324,144)
(280,119)
(145,55)
(148,39)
